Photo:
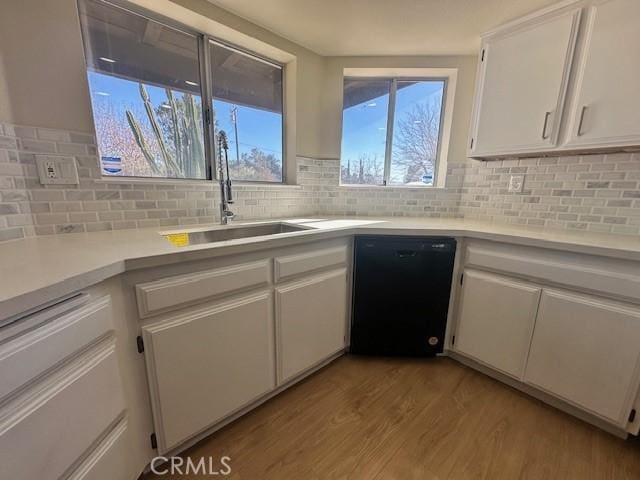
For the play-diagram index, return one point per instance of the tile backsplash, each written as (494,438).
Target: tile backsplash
(28,208)
(592,192)
(322,178)
(599,193)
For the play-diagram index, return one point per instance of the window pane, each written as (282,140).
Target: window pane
(364,131)
(416,132)
(144,82)
(247,105)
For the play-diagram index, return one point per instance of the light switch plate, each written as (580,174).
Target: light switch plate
(57,170)
(516,183)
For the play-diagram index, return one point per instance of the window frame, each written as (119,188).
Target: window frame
(446,75)
(243,51)
(206,83)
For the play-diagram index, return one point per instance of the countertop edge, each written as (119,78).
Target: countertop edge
(28,301)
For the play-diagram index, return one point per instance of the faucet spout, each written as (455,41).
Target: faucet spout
(226,196)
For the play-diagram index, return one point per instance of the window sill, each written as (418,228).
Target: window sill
(392,187)
(152,181)
(250,185)
(190,181)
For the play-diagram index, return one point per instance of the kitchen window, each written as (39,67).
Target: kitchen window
(247,104)
(395,130)
(160,92)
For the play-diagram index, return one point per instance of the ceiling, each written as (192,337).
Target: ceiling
(382,27)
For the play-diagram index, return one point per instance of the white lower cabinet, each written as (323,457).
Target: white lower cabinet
(311,317)
(586,350)
(62,398)
(257,320)
(203,364)
(46,429)
(496,320)
(24,357)
(110,459)
(579,344)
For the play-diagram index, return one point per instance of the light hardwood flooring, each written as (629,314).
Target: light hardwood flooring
(381,418)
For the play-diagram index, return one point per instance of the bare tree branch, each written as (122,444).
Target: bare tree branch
(366,170)
(415,143)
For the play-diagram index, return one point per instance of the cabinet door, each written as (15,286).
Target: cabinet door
(496,320)
(523,79)
(205,364)
(586,350)
(311,321)
(607,107)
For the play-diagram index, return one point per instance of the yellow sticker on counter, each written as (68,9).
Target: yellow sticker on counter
(178,239)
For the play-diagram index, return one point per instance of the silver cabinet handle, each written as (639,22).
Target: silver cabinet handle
(544,125)
(582,112)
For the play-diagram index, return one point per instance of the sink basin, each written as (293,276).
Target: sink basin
(183,239)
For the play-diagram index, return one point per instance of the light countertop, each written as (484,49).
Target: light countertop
(36,270)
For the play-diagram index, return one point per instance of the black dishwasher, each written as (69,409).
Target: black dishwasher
(401,294)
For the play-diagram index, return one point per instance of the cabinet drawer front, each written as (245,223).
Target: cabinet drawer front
(604,275)
(585,350)
(47,429)
(169,293)
(29,355)
(110,459)
(205,364)
(290,265)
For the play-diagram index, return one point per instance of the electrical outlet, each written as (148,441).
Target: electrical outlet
(516,183)
(50,169)
(57,170)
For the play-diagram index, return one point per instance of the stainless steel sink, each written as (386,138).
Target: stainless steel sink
(230,233)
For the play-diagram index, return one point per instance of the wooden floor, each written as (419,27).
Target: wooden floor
(372,418)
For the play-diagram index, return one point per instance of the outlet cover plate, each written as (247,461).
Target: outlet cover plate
(516,183)
(57,170)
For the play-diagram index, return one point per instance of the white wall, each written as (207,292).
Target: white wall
(5,105)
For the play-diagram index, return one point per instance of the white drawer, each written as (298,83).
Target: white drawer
(290,265)
(45,430)
(173,292)
(603,275)
(24,357)
(110,460)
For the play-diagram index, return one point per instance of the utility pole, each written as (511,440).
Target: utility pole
(234,120)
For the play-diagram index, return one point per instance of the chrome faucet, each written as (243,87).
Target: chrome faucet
(226,195)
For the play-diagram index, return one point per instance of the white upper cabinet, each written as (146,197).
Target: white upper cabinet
(606,108)
(564,79)
(523,78)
